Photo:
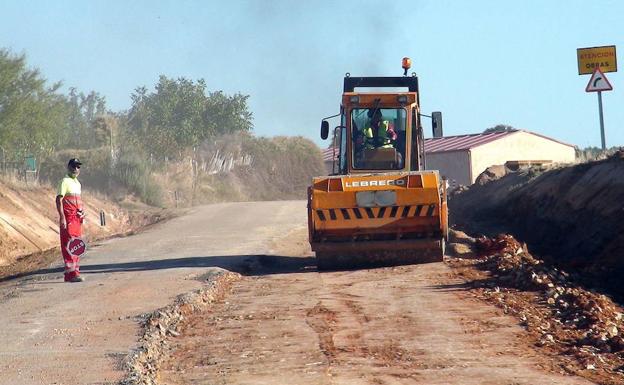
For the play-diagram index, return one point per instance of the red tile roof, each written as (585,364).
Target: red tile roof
(466,142)
(462,142)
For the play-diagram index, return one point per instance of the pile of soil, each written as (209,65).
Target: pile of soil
(571,217)
(491,173)
(584,330)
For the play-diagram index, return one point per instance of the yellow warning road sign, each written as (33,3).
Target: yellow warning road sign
(589,59)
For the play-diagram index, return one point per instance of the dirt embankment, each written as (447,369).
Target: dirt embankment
(29,224)
(569,216)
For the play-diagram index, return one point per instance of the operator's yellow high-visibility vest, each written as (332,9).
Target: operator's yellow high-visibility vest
(70,190)
(383,140)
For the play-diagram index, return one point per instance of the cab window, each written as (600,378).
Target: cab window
(378,139)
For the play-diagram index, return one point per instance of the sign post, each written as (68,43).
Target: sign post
(597,61)
(598,83)
(602,134)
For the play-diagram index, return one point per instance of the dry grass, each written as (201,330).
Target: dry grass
(591,154)
(237,167)
(242,168)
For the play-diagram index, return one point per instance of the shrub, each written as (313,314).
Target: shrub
(131,173)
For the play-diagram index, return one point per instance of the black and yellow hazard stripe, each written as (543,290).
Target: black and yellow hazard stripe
(355,213)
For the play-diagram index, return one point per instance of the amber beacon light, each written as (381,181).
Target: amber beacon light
(407,63)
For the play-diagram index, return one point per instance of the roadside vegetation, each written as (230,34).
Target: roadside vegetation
(178,144)
(590,154)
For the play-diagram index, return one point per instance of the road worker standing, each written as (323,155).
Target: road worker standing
(71,215)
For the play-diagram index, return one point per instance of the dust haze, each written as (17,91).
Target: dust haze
(298,70)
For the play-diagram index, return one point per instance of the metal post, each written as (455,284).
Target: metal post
(602,132)
(111,145)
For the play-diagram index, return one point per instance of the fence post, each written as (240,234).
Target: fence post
(3,160)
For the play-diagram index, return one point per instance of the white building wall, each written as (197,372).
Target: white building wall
(518,146)
(453,165)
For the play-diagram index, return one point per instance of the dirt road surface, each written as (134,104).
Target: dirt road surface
(282,322)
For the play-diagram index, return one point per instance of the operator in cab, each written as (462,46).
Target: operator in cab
(378,133)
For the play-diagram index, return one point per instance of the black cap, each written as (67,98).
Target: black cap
(74,162)
(374,112)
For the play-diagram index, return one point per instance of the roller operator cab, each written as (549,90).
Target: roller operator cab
(379,206)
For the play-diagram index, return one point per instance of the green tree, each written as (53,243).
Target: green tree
(227,114)
(84,110)
(499,128)
(180,115)
(105,129)
(33,117)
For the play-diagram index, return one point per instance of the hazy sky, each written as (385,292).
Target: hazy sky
(479,62)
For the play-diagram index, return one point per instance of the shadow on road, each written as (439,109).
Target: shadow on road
(242,264)
(464,286)
(252,265)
